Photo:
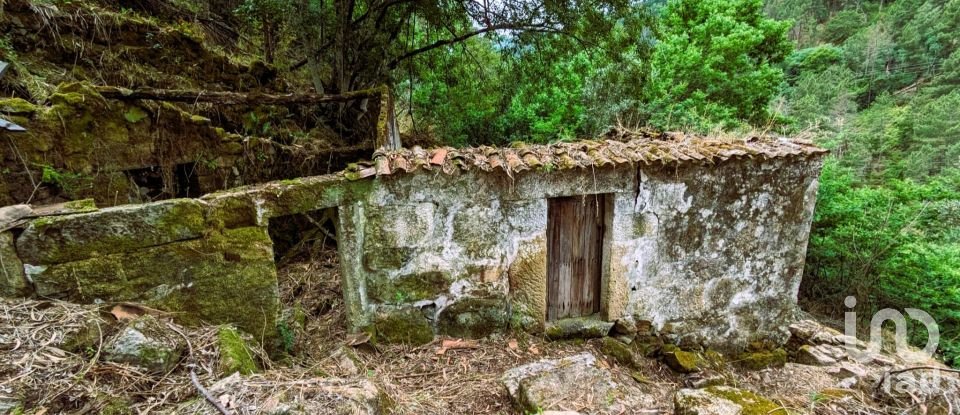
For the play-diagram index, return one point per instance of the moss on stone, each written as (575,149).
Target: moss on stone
(80,206)
(681,361)
(618,351)
(407,288)
(17,106)
(227,277)
(58,239)
(404,326)
(750,403)
(647,345)
(13,281)
(579,327)
(473,317)
(235,354)
(763,359)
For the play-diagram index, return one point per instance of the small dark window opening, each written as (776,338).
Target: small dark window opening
(303,237)
(188,181)
(151,184)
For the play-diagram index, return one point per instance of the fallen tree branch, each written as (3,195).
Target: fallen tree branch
(206,394)
(230,98)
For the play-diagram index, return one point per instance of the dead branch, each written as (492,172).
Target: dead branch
(206,394)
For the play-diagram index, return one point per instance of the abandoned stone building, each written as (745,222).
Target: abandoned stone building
(702,238)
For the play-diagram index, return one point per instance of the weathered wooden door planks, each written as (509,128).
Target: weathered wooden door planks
(575,229)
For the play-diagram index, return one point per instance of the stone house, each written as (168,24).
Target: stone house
(704,239)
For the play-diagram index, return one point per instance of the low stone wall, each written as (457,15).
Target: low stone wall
(707,253)
(209,259)
(163,255)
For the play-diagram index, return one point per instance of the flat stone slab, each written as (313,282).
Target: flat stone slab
(59,239)
(562,384)
(244,394)
(580,327)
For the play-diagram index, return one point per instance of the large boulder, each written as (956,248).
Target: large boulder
(13,282)
(57,239)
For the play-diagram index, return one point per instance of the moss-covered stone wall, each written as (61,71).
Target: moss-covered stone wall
(174,255)
(82,145)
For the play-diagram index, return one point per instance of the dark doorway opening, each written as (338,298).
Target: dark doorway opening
(301,237)
(575,234)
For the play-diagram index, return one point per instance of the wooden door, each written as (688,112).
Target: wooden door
(574,253)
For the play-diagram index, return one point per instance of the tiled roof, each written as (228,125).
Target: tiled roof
(617,148)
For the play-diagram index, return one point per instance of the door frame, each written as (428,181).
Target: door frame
(602,288)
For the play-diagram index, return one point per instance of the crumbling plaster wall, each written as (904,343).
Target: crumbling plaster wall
(718,251)
(463,255)
(710,254)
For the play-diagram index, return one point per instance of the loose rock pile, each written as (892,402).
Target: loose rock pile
(817,371)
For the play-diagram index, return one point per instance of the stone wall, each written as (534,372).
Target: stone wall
(710,254)
(167,255)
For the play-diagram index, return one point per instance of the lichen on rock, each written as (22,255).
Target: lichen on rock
(145,342)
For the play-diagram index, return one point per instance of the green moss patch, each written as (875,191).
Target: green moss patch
(681,361)
(763,359)
(407,288)
(404,326)
(619,351)
(235,354)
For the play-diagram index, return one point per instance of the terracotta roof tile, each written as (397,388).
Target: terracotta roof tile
(618,147)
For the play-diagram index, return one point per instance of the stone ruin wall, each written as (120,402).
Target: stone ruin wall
(710,254)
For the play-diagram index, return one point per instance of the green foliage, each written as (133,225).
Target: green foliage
(887,225)
(895,245)
(817,58)
(716,63)
(134,115)
(288,337)
(843,25)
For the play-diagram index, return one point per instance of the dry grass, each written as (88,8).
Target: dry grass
(40,367)
(50,362)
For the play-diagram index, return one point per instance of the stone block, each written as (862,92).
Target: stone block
(558,383)
(723,400)
(147,343)
(408,288)
(405,325)
(13,282)
(473,318)
(59,239)
(478,230)
(227,277)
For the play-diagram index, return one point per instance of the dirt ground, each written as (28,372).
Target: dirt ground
(43,370)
